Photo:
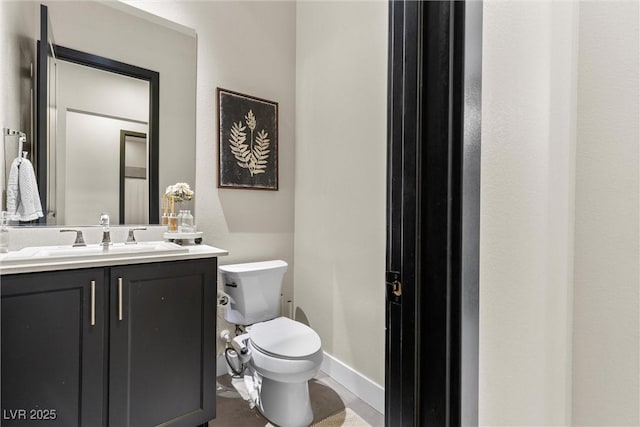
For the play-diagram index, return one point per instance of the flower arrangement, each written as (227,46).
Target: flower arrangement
(179,192)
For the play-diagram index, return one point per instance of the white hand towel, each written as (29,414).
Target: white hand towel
(23,199)
(12,190)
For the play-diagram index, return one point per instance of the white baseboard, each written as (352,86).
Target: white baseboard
(354,381)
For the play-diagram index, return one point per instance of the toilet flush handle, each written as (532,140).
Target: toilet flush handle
(239,344)
(244,355)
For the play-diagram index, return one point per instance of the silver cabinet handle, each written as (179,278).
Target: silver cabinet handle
(93,303)
(119,298)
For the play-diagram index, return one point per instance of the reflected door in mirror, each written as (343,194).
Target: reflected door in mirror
(134,178)
(95,107)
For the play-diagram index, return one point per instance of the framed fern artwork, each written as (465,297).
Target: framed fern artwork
(247,141)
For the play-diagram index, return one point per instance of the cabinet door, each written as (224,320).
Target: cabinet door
(162,356)
(53,348)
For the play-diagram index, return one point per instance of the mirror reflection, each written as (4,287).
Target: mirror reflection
(101,149)
(134,178)
(85,106)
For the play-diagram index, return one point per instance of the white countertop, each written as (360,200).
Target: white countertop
(109,259)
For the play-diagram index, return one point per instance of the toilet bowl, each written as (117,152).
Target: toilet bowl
(283,353)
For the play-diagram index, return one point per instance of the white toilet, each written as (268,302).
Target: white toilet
(286,354)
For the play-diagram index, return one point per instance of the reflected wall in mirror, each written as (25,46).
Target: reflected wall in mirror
(127,35)
(17,29)
(93,108)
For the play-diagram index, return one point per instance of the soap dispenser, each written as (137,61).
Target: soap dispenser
(4,232)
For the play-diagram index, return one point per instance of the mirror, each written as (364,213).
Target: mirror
(97,101)
(92,127)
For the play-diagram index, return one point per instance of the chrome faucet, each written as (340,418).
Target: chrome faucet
(106,234)
(131,238)
(79,237)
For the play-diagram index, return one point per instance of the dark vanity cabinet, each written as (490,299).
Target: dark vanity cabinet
(52,355)
(111,346)
(162,337)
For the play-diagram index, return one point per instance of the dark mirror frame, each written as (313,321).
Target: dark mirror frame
(105,64)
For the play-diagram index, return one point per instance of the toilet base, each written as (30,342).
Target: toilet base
(286,404)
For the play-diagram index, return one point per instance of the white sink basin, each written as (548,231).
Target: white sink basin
(66,253)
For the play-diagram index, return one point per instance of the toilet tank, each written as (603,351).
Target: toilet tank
(254,291)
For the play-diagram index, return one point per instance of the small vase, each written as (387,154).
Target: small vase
(173,223)
(186,223)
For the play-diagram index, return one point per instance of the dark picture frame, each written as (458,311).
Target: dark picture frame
(247,141)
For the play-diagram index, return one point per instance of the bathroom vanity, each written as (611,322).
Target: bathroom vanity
(122,339)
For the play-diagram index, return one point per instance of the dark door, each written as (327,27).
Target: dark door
(162,355)
(433,210)
(52,348)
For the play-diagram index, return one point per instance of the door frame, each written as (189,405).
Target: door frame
(124,133)
(433,213)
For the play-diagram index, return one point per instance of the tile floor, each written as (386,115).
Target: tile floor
(327,398)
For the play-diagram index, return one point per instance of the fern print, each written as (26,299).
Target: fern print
(255,155)
(261,152)
(250,119)
(247,141)
(238,147)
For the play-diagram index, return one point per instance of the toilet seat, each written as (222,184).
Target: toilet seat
(285,338)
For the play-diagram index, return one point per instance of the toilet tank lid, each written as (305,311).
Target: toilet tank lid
(252,266)
(285,337)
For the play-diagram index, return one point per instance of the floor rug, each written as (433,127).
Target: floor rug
(345,418)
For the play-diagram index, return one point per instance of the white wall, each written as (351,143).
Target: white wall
(341,92)
(17,41)
(526,233)
(606,369)
(18,52)
(559,283)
